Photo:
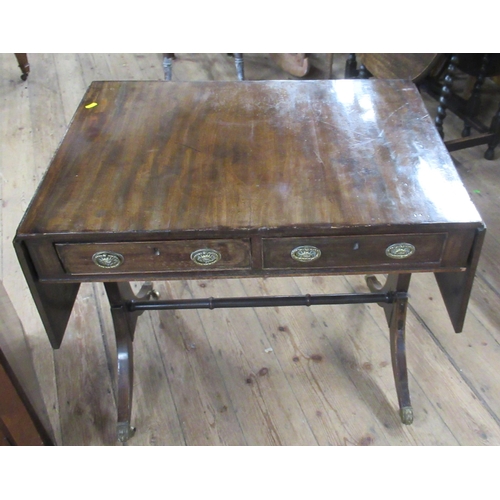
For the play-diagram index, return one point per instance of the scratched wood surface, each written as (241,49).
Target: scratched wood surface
(279,376)
(144,150)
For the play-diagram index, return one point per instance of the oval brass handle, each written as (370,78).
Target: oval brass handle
(400,250)
(108,260)
(205,256)
(305,253)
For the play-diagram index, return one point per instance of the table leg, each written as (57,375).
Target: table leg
(351,67)
(398,357)
(22,60)
(167,65)
(124,323)
(445,95)
(473,103)
(494,129)
(396,319)
(238,62)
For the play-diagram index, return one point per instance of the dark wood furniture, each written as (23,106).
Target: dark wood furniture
(160,181)
(434,73)
(297,65)
(19,423)
(22,61)
(412,67)
(23,416)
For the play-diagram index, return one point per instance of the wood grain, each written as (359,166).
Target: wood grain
(411,67)
(288,154)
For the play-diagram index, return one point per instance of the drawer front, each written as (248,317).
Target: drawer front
(153,256)
(398,250)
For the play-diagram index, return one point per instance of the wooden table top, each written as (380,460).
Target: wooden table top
(156,156)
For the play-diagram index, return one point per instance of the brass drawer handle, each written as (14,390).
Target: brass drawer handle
(205,256)
(400,250)
(306,253)
(108,260)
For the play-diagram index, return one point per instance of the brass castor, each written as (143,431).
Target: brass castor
(124,431)
(148,292)
(407,415)
(490,154)
(373,283)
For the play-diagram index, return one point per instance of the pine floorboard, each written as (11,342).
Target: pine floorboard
(270,376)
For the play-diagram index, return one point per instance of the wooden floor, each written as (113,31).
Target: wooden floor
(279,376)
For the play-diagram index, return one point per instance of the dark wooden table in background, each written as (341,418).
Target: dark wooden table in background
(160,180)
(23,415)
(435,73)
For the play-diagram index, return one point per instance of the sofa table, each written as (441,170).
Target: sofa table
(158,180)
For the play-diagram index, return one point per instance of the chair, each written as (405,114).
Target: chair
(168,59)
(297,65)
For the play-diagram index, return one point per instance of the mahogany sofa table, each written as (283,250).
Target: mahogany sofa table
(159,180)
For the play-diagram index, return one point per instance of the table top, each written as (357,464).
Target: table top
(154,156)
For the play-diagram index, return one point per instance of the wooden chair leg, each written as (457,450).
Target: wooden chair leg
(167,65)
(473,103)
(445,94)
(329,66)
(494,129)
(240,70)
(351,67)
(22,60)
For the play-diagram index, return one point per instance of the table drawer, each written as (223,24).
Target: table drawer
(393,250)
(153,256)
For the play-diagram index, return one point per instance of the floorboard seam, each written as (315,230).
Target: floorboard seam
(464,377)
